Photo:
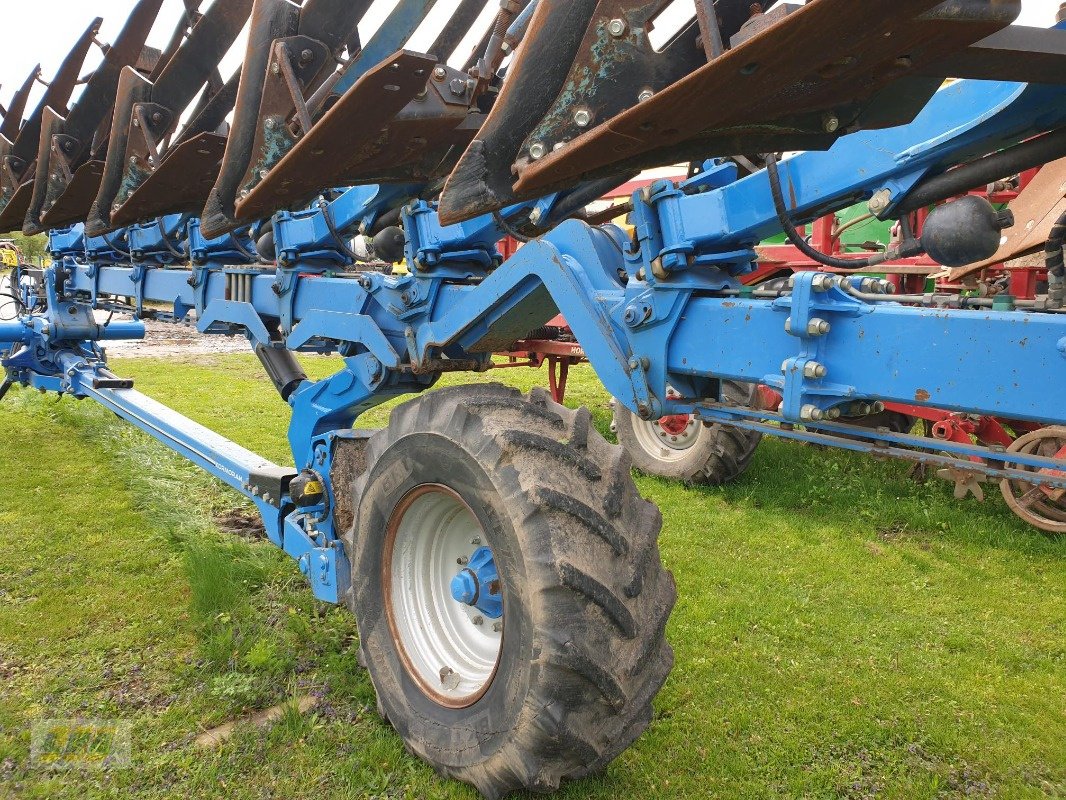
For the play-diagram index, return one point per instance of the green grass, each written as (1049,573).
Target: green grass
(841,631)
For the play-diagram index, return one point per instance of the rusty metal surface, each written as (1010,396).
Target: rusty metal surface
(17,157)
(181,184)
(783,89)
(64,143)
(13,115)
(15,209)
(147,113)
(1036,208)
(537,73)
(76,200)
(352,125)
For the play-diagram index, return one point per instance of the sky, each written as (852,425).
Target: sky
(44,30)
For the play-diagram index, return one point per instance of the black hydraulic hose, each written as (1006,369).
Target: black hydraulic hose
(117,249)
(178,254)
(323,204)
(1053,259)
(509,229)
(907,249)
(255,258)
(1027,155)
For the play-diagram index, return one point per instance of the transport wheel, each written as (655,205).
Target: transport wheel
(1045,510)
(508,588)
(682,448)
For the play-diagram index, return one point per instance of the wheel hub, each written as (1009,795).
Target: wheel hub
(478,585)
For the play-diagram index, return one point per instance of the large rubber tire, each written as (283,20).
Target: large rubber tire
(716,454)
(586,597)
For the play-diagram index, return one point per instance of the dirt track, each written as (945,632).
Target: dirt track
(166,340)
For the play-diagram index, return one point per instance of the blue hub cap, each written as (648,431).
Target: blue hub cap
(478,584)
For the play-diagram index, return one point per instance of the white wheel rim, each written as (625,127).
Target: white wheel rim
(667,439)
(451,649)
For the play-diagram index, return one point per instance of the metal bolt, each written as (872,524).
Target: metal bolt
(830,123)
(275,67)
(537,151)
(822,282)
(462,561)
(478,620)
(833,413)
(617,28)
(458,87)
(812,369)
(497,627)
(812,413)
(880,201)
(306,56)
(476,541)
(440,73)
(818,327)
(645,96)
(582,117)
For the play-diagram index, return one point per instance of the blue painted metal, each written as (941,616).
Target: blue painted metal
(478,584)
(663,309)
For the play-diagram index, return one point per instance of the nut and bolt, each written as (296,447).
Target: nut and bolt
(462,561)
(617,28)
(440,73)
(880,201)
(822,282)
(306,56)
(646,95)
(582,117)
(813,413)
(497,627)
(812,369)
(478,620)
(818,327)
(830,123)
(537,151)
(458,87)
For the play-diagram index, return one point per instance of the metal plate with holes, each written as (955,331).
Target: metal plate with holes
(347,129)
(180,185)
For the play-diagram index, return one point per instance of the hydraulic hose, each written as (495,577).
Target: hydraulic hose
(910,247)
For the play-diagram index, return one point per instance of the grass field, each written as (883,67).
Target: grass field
(841,630)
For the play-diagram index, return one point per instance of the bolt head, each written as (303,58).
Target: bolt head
(582,117)
(478,620)
(830,123)
(617,28)
(440,73)
(645,96)
(537,151)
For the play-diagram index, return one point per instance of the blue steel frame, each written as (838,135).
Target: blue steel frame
(668,309)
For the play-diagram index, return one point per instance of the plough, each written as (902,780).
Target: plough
(502,568)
